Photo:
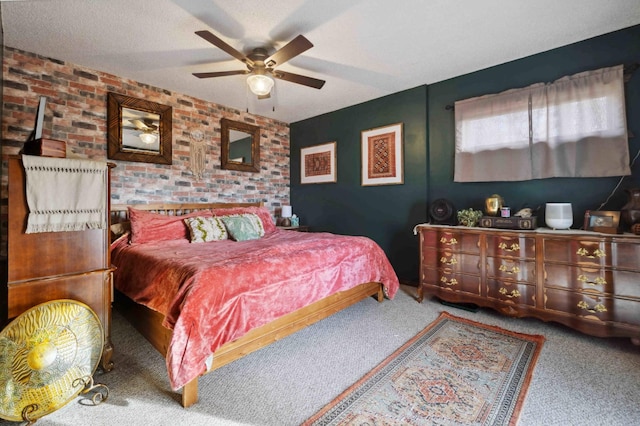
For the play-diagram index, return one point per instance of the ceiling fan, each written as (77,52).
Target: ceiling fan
(261,66)
(148,130)
(144,125)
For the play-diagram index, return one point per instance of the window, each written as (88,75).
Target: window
(573,127)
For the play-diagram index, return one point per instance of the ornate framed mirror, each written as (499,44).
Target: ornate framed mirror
(138,130)
(240,146)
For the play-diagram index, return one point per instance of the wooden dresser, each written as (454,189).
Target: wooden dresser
(56,265)
(585,280)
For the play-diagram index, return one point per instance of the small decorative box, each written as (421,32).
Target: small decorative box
(514,222)
(45,148)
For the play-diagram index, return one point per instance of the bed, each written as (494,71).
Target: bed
(203,305)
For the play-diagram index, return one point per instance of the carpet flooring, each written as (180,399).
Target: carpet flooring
(578,379)
(455,371)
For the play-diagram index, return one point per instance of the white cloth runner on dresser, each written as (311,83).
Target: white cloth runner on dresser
(65,194)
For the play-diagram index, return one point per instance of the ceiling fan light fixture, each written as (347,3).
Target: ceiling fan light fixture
(148,138)
(260,84)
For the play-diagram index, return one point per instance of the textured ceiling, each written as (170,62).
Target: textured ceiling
(364,49)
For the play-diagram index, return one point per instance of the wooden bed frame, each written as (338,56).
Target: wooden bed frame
(149,322)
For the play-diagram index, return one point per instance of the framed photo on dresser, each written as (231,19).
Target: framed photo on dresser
(602,221)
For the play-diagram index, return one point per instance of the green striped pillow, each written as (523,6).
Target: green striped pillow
(205,229)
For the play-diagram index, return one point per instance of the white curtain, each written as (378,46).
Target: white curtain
(573,127)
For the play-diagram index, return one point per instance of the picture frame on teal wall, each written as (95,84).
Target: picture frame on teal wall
(318,163)
(382,155)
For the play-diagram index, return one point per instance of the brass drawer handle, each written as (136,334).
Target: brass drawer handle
(584,253)
(453,261)
(596,309)
(451,282)
(513,270)
(598,280)
(505,247)
(504,292)
(451,242)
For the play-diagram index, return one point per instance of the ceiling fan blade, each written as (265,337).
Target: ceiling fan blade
(299,79)
(218,42)
(139,124)
(290,50)
(219,73)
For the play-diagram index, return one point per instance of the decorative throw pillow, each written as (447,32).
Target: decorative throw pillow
(205,229)
(149,227)
(119,229)
(257,223)
(242,227)
(262,212)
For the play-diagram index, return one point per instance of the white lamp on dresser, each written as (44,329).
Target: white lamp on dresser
(558,215)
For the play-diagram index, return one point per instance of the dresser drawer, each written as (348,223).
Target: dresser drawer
(518,293)
(453,261)
(604,308)
(603,280)
(579,278)
(627,284)
(626,256)
(580,304)
(511,246)
(453,240)
(452,281)
(578,251)
(626,311)
(511,269)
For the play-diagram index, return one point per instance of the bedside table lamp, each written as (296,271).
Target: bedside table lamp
(286,216)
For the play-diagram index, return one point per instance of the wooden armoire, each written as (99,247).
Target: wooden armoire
(56,265)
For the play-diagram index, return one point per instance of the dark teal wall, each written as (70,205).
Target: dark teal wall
(621,47)
(387,214)
(241,149)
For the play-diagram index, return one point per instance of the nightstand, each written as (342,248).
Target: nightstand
(301,228)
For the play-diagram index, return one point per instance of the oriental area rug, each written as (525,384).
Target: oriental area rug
(454,372)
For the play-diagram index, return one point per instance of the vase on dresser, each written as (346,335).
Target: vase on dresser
(630,212)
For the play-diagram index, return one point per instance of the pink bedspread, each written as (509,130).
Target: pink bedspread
(213,293)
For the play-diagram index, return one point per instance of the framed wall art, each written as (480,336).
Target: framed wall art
(382,152)
(138,130)
(318,164)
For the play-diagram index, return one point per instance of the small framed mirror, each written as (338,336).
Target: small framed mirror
(240,146)
(138,130)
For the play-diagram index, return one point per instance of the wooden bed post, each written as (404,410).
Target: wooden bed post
(190,393)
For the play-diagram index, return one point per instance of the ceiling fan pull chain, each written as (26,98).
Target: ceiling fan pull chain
(246,97)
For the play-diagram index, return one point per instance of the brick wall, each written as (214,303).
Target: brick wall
(77,112)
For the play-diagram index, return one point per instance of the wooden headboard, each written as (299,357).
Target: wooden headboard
(120,212)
